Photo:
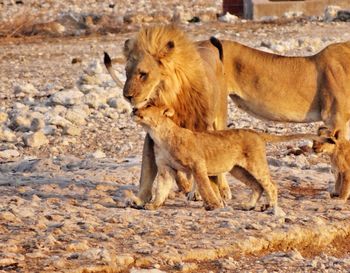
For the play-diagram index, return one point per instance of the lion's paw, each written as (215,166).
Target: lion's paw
(247,206)
(151,206)
(225,193)
(194,196)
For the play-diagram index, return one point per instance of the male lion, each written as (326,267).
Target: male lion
(291,89)
(165,68)
(241,152)
(339,152)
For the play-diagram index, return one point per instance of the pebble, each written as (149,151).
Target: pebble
(67,97)
(36,139)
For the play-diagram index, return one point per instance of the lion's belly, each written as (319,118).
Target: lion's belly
(293,111)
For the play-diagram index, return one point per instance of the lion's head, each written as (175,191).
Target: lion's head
(160,61)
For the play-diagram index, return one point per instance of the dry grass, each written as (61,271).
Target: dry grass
(19,24)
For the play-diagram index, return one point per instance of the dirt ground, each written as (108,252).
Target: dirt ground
(62,205)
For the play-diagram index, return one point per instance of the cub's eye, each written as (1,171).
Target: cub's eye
(143,75)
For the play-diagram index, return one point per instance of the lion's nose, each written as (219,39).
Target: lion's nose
(134,111)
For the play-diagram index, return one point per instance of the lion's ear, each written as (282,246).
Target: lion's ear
(128,47)
(337,134)
(167,50)
(168,112)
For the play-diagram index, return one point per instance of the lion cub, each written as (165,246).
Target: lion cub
(339,151)
(201,154)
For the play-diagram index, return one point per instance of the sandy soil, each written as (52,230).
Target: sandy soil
(62,205)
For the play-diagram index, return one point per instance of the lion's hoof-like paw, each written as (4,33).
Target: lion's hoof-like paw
(212,206)
(226,193)
(135,205)
(247,206)
(194,196)
(151,206)
(264,207)
(276,211)
(334,194)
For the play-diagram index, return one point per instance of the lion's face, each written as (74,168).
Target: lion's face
(144,72)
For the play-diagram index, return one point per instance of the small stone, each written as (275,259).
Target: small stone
(72,130)
(330,13)
(37,124)
(49,129)
(3,117)
(8,216)
(36,139)
(25,90)
(97,155)
(124,260)
(8,154)
(76,116)
(7,135)
(67,97)
(21,122)
(228,18)
(78,246)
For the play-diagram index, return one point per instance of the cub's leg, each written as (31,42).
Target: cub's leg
(259,169)
(338,185)
(211,201)
(184,183)
(344,190)
(225,191)
(245,177)
(148,173)
(165,181)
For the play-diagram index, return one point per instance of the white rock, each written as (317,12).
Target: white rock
(330,13)
(36,139)
(228,18)
(67,97)
(58,121)
(97,154)
(76,115)
(21,122)
(3,117)
(71,130)
(25,90)
(49,129)
(181,15)
(7,135)
(8,154)
(37,124)
(94,68)
(94,99)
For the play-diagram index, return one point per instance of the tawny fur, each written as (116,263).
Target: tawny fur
(291,89)
(339,151)
(241,152)
(165,68)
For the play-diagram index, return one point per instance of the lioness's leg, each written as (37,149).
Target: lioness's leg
(165,181)
(211,201)
(245,177)
(148,171)
(338,185)
(344,190)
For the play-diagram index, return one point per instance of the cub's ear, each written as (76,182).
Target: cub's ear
(168,112)
(330,140)
(128,47)
(323,131)
(167,50)
(337,134)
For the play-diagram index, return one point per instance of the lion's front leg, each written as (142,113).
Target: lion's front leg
(165,181)
(148,172)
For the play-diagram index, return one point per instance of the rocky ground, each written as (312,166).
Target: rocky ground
(69,151)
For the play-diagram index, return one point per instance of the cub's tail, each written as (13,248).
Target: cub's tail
(278,138)
(216,42)
(108,63)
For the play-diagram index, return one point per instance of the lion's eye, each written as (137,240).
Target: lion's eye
(143,75)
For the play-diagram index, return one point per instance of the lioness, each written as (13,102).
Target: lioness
(339,151)
(241,152)
(291,89)
(165,68)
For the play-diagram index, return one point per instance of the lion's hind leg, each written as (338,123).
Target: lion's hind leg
(244,176)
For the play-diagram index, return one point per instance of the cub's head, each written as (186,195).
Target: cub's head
(149,63)
(326,143)
(152,116)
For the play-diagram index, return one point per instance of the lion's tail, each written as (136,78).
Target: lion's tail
(278,138)
(216,42)
(108,63)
